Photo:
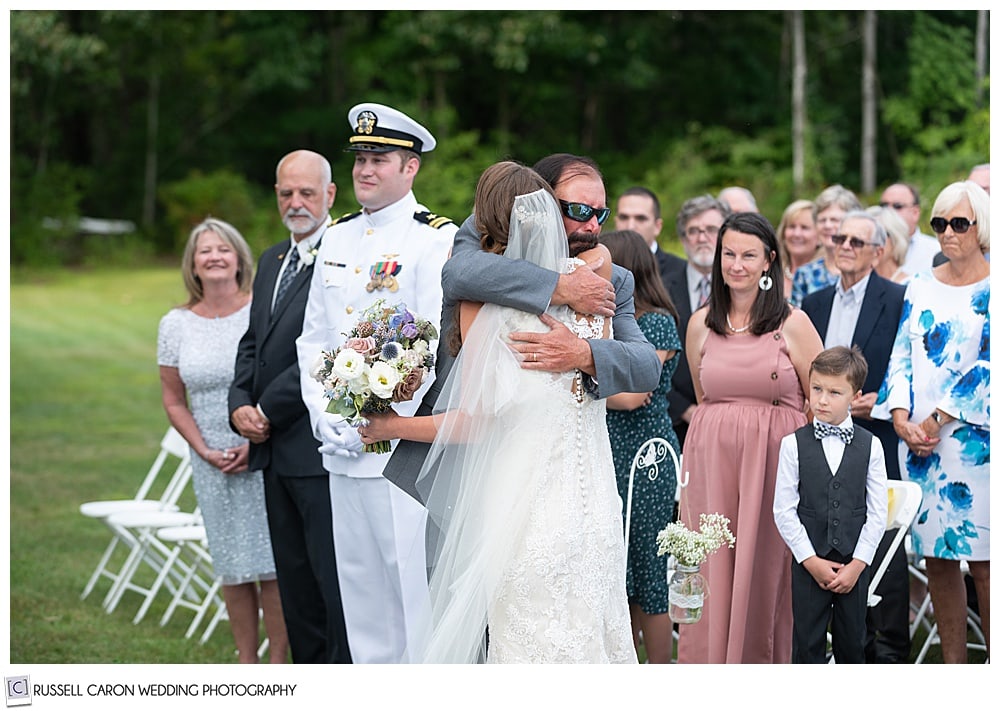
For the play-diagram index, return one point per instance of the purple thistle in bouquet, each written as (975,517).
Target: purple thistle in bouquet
(385,359)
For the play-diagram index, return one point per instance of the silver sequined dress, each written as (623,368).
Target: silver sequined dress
(232,505)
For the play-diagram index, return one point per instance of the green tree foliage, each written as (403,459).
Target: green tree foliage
(109,107)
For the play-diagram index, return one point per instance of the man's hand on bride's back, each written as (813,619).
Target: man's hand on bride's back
(558,350)
(585,292)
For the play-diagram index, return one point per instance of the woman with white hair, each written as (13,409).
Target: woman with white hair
(890,266)
(937,394)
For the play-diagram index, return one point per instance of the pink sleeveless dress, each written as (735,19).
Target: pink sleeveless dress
(752,399)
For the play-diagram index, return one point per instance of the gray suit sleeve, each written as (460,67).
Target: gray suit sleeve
(628,363)
(474,275)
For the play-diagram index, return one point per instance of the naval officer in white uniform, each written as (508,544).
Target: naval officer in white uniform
(393,248)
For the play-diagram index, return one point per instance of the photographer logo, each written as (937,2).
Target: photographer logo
(18,691)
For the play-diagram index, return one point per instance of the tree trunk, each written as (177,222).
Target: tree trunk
(798,99)
(982,20)
(868,102)
(152,133)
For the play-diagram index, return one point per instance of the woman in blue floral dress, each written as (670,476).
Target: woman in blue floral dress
(937,393)
(632,419)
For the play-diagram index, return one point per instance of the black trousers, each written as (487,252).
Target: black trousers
(814,610)
(888,639)
(301,525)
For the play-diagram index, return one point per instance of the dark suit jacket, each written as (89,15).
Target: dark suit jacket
(682,387)
(267,372)
(874,334)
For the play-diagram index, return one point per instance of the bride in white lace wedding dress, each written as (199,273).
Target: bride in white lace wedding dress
(521,482)
(559,594)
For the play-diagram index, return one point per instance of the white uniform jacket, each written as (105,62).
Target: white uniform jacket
(351,247)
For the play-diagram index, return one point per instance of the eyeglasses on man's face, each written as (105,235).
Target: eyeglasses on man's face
(709,231)
(856,243)
(582,212)
(960,225)
(897,205)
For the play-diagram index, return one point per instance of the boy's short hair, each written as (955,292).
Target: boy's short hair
(840,360)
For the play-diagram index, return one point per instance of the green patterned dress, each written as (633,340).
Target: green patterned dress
(652,501)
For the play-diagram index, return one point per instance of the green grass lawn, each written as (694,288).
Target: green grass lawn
(85,423)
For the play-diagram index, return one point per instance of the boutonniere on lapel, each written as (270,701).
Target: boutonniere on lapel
(310,256)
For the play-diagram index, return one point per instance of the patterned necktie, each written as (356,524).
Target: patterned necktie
(824,430)
(703,289)
(287,276)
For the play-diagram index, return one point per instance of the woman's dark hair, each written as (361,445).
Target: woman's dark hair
(769,309)
(629,250)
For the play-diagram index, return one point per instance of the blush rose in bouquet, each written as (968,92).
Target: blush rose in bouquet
(385,359)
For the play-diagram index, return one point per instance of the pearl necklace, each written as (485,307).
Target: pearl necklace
(733,328)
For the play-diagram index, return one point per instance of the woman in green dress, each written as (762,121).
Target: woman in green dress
(632,419)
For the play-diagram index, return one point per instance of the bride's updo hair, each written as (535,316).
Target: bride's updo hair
(498,186)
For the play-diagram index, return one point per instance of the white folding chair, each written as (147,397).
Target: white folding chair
(904,502)
(141,526)
(172,447)
(191,543)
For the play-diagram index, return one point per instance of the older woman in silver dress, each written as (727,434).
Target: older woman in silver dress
(196,353)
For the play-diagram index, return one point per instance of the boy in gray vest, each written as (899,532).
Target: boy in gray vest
(830,506)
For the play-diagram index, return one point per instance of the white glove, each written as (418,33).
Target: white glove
(338,437)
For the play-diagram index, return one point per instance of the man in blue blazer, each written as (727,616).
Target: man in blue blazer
(863,309)
(627,363)
(266,407)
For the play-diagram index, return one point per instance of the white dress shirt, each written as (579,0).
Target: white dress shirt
(305,248)
(786,496)
(844,313)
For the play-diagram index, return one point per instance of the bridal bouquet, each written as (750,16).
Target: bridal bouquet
(385,359)
(691,548)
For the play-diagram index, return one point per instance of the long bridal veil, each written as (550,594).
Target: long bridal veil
(478,477)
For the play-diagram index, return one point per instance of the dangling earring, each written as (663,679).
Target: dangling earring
(765,282)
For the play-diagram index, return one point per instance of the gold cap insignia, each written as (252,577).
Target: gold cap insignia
(367,120)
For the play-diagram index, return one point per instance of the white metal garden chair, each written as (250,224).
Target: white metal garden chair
(647,461)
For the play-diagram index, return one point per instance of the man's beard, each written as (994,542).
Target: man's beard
(314,222)
(580,242)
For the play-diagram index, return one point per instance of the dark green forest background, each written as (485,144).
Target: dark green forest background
(163,117)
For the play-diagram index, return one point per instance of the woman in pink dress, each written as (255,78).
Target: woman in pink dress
(750,352)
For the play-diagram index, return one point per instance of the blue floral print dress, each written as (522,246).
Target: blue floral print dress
(941,359)
(810,277)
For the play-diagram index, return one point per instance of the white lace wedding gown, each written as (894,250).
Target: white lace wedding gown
(533,547)
(561,596)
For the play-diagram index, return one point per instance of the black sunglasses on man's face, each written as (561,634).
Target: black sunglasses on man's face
(581,212)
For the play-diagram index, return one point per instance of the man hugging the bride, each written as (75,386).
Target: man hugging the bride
(519,477)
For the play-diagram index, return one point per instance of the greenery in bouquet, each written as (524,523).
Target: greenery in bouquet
(385,359)
(691,548)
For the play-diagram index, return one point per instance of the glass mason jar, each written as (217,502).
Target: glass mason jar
(686,594)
